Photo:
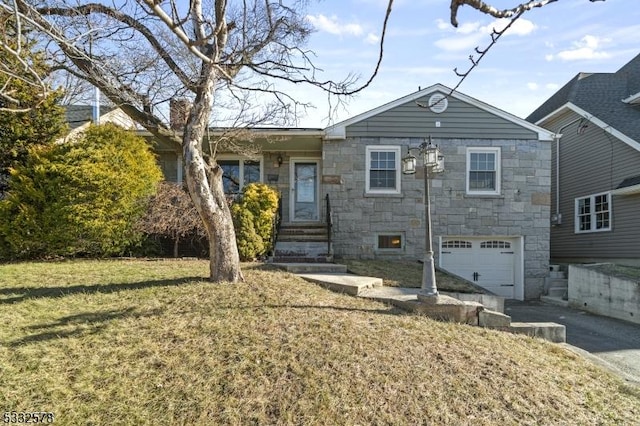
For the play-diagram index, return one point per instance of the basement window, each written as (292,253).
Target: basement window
(390,242)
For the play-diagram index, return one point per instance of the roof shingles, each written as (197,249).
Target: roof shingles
(601,95)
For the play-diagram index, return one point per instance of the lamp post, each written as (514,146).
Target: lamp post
(433,161)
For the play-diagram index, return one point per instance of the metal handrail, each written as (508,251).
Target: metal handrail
(329,217)
(275,225)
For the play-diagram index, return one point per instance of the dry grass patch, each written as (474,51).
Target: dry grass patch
(404,273)
(138,343)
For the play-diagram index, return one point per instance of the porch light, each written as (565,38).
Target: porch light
(409,164)
(433,162)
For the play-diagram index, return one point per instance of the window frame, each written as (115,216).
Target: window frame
(496,151)
(593,214)
(241,160)
(390,249)
(397,149)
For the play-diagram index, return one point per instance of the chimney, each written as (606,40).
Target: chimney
(178,113)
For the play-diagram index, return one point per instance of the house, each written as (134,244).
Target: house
(80,117)
(595,187)
(490,207)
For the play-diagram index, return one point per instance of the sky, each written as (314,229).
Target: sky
(544,49)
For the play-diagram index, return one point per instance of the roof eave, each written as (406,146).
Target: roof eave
(633,99)
(338,131)
(592,119)
(629,190)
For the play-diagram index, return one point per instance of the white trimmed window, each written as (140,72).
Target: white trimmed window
(383,170)
(483,171)
(390,242)
(238,172)
(593,213)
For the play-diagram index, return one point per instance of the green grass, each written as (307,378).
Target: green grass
(397,273)
(137,343)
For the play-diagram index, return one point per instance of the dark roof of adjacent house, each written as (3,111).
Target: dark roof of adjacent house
(77,115)
(601,95)
(632,181)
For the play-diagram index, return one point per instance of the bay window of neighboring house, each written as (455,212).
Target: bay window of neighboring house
(483,171)
(383,170)
(593,213)
(238,172)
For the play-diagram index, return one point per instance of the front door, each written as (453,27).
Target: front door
(304,190)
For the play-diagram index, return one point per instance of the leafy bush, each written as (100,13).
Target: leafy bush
(253,218)
(80,198)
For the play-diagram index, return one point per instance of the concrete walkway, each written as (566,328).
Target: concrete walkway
(480,310)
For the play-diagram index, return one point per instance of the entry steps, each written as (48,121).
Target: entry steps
(557,286)
(302,243)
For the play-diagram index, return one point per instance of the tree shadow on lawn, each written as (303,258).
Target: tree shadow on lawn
(389,310)
(84,324)
(18,294)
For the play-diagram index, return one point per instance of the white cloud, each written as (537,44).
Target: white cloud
(333,26)
(458,43)
(521,27)
(372,38)
(532,86)
(588,47)
(471,34)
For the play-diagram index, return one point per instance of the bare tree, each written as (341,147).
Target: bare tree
(141,53)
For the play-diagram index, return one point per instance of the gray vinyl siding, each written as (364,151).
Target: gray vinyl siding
(460,120)
(591,162)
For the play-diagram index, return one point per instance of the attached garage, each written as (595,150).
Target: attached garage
(494,263)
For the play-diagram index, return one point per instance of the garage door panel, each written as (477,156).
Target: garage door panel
(490,263)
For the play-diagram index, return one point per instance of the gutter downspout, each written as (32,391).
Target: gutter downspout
(557,138)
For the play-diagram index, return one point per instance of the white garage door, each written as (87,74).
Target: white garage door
(489,262)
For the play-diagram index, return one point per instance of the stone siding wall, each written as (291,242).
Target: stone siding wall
(522,208)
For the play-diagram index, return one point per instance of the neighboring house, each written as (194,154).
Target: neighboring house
(79,117)
(595,186)
(490,208)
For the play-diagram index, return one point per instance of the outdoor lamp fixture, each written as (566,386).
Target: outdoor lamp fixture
(433,162)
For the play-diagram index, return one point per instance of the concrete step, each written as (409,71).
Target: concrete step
(312,268)
(303,231)
(559,282)
(493,319)
(303,237)
(301,259)
(300,249)
(554,300)
(557,275)
(558,292)
(556,333)
(342,282)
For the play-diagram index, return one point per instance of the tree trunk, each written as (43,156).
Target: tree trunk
(176,243)
(208,194)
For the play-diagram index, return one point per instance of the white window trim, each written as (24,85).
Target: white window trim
(241,160)
(383,148)
(490,150)
(592,200)
(390,234)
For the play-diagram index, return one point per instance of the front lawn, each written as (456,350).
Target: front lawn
(153,343)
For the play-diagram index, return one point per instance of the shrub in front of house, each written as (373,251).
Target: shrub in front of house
(81,198)
(253,217)
(173,222)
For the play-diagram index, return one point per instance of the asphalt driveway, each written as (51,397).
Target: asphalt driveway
(612,343)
